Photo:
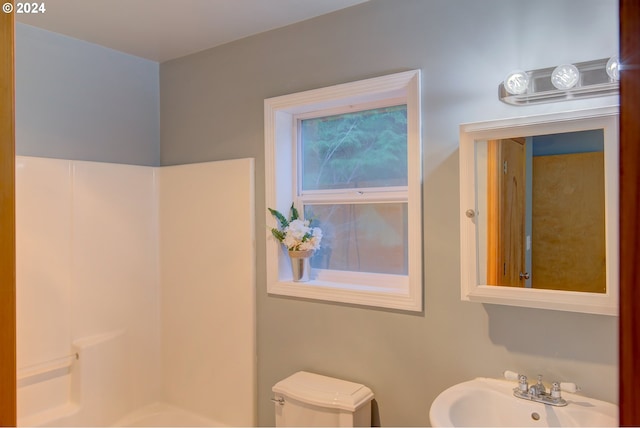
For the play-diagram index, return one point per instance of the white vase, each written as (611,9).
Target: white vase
(300,265)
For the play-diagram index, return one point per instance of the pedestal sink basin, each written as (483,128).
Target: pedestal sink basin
(485,402)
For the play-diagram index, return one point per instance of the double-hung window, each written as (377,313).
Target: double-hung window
(349,158)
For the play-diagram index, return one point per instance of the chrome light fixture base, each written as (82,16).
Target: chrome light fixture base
(594,81)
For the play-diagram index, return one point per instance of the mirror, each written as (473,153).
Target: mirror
(539,202)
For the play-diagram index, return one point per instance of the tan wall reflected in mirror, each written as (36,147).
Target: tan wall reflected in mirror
(545,211)
(568,251)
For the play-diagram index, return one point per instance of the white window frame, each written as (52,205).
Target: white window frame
(402,292)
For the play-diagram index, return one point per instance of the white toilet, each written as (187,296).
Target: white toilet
(307,400)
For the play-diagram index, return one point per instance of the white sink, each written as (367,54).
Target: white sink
(484,402)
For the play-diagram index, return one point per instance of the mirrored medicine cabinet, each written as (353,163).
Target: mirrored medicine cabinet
(539,211)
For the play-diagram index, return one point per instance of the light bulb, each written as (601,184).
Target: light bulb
(565,76)
(613,68)
(516,82)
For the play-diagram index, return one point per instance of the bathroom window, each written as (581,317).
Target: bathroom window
(351,172)
(349,157)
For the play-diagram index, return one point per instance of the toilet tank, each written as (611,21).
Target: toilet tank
(307,399)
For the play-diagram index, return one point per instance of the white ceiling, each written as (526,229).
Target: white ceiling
(161,30)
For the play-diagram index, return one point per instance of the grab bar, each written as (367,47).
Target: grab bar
(46,370)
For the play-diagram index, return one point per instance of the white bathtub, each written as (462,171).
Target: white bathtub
(79,394)
(164,415)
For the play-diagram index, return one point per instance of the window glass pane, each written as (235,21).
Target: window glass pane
(362,149)
(361,237)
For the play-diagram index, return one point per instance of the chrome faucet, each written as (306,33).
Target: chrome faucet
(538,389)
(538,392)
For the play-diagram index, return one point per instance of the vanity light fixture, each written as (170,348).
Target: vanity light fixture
(564,82)
(613,68)
(565,76)
(516,82)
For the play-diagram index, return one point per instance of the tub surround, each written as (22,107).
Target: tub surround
(86,263)
(207,314)
(108,247)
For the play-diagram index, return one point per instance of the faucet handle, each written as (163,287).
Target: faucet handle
(523,385)
(555,390)
(510,375)
(569,387)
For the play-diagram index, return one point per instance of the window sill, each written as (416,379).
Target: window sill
(393,297)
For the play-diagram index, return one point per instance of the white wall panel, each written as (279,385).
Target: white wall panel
(207,260)
(114,264)
(43,224)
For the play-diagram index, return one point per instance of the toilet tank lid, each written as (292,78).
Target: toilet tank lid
(324,391)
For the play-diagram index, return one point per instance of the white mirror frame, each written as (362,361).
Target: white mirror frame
(605,118)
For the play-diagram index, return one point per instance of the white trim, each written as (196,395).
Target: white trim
(353,196)
(280,116)
(351,108)
(596,303)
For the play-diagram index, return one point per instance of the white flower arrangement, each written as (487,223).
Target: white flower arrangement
(296,234)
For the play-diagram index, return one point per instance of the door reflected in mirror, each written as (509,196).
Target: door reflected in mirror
(544,201)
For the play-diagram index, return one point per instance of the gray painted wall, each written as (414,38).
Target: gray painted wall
(212,108)
(78,100)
